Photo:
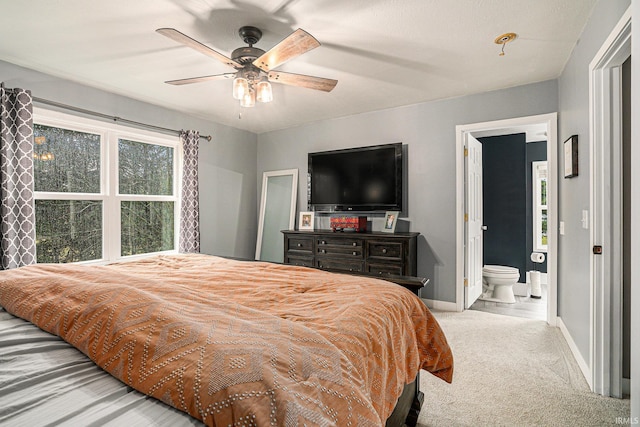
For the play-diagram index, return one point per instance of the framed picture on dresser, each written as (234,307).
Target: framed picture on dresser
(390,220)
(305,222)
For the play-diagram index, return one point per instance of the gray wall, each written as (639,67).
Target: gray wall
(574,252)
(227,164)
(428,130)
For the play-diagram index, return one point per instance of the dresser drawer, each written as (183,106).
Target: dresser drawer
(299,261)
(343,251)
(352,242)
(384,269)
(300,244)
(339,264)
(387,250)
(350,247)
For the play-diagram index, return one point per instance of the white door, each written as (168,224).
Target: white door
(473,220)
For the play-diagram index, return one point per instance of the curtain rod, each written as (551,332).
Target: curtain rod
(106,116)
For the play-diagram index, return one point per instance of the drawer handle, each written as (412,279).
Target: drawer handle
(379,273)
(323,251)
(351,269)
(299,245)
(323,242)
(384,251)
(355,244)
(355,253)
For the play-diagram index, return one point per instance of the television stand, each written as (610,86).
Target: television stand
(389,256)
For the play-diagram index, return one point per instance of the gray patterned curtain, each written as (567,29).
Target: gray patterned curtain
(190,199)
(17,222)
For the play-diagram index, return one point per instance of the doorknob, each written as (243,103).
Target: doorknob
(484,228)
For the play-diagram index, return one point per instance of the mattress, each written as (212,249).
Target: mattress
(226,341)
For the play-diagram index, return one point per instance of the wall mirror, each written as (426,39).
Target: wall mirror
(277,213)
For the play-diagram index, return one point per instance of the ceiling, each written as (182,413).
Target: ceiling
(384,53)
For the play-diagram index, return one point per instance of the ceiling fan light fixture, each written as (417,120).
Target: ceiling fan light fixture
(264,92)
(240,87)
(253,66)
(249,99)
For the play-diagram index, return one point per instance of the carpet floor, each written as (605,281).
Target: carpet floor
(512,372)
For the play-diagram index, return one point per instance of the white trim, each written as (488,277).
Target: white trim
(537,207)
(550,120)
(109,134)
(605,336)
(441,305)
(582,364)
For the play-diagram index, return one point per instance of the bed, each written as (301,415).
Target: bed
(189,339)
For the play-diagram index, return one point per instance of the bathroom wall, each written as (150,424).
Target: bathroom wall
(505,201)
(536,151)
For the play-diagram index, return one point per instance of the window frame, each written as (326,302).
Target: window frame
(109,195)
(539,173)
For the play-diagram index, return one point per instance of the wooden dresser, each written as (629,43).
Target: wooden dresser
(374,254)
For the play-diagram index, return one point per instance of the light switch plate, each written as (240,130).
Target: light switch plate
(562,228)
(585,219)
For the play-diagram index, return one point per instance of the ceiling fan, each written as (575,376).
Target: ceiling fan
(255,67)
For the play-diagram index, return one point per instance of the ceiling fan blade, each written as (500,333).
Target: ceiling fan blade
(179,37)
(293,45)
(201,79)
(301,80)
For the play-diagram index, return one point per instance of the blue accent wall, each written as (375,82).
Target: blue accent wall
(505,201)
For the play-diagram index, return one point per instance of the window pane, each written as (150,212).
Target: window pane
(543,192)
(146,227)
(68,230)
(66,160)
(544,227)
(145,168)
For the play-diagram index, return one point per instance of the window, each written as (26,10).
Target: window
(102,191)
(539,181)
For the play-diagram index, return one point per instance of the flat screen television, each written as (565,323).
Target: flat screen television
(356,179)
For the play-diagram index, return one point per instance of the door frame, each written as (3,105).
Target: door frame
(605,184)
(551,122)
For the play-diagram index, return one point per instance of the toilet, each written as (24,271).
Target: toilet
(497,283)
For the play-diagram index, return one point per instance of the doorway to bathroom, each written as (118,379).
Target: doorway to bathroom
(514,171)
(520,157)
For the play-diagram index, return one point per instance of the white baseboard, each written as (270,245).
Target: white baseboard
(440,305)
(584,366)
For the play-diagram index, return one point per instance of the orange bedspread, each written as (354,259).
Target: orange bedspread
(230,342)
